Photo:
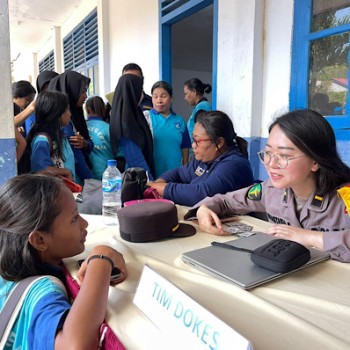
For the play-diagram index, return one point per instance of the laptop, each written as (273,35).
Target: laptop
(236,266)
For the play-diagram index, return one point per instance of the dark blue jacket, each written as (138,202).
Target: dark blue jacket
(191,183)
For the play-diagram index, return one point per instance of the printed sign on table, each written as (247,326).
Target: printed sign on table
(184,321)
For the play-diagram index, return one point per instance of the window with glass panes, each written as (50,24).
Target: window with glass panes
(320,60)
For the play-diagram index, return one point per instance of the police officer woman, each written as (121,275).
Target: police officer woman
(300,196)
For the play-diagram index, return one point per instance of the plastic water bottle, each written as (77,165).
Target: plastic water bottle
(111,193)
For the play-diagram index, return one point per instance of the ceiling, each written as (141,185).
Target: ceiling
(32,23)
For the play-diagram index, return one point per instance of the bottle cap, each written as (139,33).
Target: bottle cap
(111,162)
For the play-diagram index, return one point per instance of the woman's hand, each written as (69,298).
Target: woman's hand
(298,234)
(78,141)
(158,185)
(111,253)
(210,222)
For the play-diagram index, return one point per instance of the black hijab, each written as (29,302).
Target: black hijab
(44,78)
(127,119)
(72,83)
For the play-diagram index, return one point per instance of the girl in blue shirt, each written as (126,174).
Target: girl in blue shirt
(49,148)
(40,226)
(128,127)
(170,136)
(99,132)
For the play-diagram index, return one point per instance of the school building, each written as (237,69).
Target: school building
(262,57)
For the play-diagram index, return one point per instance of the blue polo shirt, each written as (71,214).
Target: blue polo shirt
(196,180)
(170,136)
(202,105)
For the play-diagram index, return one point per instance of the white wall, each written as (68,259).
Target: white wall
(254,58)
(277,59)
(134,37)
(239,74)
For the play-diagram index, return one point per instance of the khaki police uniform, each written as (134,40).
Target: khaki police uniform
(327,214)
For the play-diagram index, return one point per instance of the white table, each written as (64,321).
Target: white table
(308,309)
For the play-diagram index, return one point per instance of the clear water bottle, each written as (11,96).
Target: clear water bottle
(111,193)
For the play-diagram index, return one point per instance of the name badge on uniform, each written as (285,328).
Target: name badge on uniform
(199,171)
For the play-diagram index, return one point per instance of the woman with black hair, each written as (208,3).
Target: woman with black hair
(23,94)
(220,163)
(194,90)
(171,141)
(306,195)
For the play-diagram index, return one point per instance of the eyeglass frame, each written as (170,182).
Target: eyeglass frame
(273,155)
(200,140)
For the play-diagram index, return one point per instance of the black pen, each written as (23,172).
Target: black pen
(229,246)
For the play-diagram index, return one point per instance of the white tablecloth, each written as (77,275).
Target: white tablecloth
(308,309)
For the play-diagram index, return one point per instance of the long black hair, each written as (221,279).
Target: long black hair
(198,86)
(218,124)
(49,107)
(314,136)
(96,105)
(27,203)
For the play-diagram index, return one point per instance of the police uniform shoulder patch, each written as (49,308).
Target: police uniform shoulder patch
(344,194)
(255,192)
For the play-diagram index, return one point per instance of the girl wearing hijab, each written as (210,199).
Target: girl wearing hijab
(128,126)
(43,79)
(75,86)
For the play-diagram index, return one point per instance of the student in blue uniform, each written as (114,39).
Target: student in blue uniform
(171,141)
(194,90)
(23,94)
(48,147)
(39,227)
(75,85)
(43,80)
(133,68)
(99,132)
(128,127)
(220,163)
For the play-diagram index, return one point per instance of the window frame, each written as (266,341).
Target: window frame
(300,64)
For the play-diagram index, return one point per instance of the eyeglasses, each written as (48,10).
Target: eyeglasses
(197,142)
(280,160)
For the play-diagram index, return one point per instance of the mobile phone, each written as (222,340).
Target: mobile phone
(115,274)
(237,228)
(71,185)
